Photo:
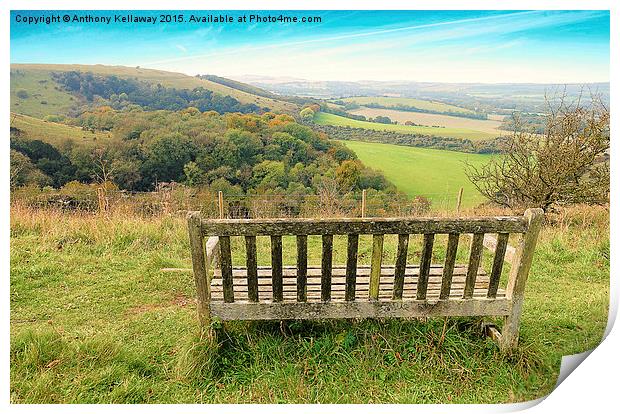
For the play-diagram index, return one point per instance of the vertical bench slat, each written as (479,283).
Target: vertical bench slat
(351,274)
(302,267)
(425,266)
(276,268)
(474,264)
(250,260)
(326,267)
(375,266)
(448,267)
(401,263)
(498,263)
(226,265)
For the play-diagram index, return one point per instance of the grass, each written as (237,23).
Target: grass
(416,103)
(435,174)
(169,79)
(95,320)
(323,118)
(54,133)
(44,96)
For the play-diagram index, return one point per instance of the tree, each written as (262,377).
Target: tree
(564,165)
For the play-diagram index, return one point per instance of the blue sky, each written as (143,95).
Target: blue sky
(443,46)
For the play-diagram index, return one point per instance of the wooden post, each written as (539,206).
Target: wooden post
(101,199)
(520,268)
(458,200)
(220,203)
(363,203)
(199,263)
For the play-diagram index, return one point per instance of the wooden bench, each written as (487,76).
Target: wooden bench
(350,290)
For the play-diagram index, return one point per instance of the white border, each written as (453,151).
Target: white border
(593,386)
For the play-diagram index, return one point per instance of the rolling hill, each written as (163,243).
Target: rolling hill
(34,92)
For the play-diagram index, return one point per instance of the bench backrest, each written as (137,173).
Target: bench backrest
(353,228)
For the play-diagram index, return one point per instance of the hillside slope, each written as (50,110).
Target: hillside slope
(36,80)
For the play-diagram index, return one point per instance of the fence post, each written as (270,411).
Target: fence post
(101,199)
(363,203)
(458,200)
(220,201)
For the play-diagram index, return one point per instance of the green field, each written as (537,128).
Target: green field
(417,103)
(94,319)
(323,118)
(435,174)
(30,75)
(52,132)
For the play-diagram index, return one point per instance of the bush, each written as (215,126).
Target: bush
(22,94)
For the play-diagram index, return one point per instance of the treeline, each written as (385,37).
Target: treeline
(120,93)
(413,140)
(234,153)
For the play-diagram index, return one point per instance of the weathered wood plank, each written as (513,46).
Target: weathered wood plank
(243,227)
(276,267)
(302,266)
(367,309)
(200,267)
(326,267)
(448,267)
(375,266)
(498,263)
(226,268)
(518,276)
(425,265)
(401,264)
(250,249)
(351,272)
(475,255)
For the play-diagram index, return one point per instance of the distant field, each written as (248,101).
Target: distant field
(323,118)
(435,174)
(418,103)
(482,125)
(52,132)
(169,79)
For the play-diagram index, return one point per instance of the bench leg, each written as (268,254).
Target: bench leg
(201,270)
(510,331)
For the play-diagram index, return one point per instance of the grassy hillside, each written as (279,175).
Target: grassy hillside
(417,103)
(32,73)
(34,93)
(435,174)
(94,319)
(52,132)
(323,118)
(487,126)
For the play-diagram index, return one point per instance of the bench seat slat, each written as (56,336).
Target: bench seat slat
(366,309)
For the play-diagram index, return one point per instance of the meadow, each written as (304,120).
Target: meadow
(54,133)
(434,174)
(416,103)
(95,319)
(420,118)
(323,118)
